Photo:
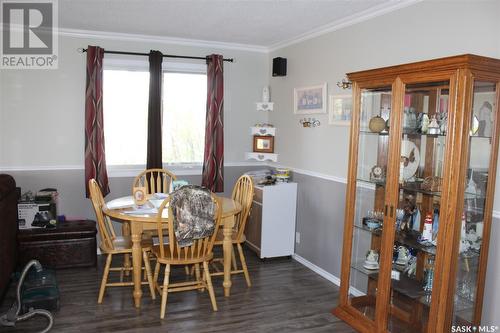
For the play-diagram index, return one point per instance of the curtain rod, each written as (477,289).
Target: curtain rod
(82,50)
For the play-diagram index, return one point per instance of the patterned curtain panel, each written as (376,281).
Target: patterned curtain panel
(213,160)
(154,158)
(95,161)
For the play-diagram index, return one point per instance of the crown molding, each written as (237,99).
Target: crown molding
(345,22)
(160,39)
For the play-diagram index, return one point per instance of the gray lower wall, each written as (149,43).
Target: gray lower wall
(70,185)
(320,219)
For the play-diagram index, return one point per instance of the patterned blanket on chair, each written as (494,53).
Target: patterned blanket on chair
(193,211)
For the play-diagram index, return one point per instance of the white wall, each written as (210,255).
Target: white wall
(426,30)
(43,110)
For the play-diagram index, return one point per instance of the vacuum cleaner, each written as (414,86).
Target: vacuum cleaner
(12,316)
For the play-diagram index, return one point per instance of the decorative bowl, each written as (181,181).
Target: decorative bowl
(373,224)
(377,124)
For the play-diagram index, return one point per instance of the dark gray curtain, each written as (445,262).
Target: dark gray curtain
(154,159)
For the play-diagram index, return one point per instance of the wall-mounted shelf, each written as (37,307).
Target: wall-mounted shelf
(263,106)
(262,157)
(263,131)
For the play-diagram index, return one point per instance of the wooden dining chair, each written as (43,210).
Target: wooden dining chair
(111,245)
(243,193)
(154,180)
(170,253)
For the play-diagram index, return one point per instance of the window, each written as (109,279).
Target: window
(184,110)
(126,94)
(125,103)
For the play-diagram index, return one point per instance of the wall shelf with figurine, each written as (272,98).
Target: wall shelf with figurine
(263,130)
(417,182)
(263,143)
(263,134)
(265,106)
(262,157)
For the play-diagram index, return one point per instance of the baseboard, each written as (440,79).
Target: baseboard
(320,271)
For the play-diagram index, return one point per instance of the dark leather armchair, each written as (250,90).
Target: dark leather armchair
(8,230)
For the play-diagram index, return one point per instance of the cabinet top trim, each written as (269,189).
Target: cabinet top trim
(471,61)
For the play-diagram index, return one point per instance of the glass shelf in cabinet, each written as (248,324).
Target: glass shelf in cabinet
(368,132)
(358,266)
(377,231)
(405,285)
(371,181)
(410,239)
(415,187)
(479,137)
(408,133)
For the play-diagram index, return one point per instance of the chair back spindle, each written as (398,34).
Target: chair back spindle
(243,193)
(154,180)
(104,224)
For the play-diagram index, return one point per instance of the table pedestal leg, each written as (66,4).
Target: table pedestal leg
(228,248)
(126,261)
(137,262)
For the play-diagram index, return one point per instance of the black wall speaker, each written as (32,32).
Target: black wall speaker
(279,66)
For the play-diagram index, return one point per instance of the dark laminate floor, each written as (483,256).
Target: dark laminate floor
(285,297)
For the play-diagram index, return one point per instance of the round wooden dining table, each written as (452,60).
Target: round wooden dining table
(122,210)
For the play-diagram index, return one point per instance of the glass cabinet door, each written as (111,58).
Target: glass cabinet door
(424,127)
(373,143)
(472,224)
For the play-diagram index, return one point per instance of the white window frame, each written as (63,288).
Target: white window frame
(179,169)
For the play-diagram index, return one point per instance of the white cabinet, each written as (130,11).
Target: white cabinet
(270,230)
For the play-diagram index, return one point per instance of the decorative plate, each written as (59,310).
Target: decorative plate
(410,158)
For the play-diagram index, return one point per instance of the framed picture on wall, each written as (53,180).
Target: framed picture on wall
(339,110)
(263,144)
(309,100)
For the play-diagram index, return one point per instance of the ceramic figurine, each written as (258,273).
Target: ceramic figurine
(427,231)
(406,113)
(411,269)
(400,214)
(425,123)
(412,119)
(416,220)
(429,277)
(403,256)
(371,261)
(435,224)
(443,122)
(434,127)
(265,94)
(485,120)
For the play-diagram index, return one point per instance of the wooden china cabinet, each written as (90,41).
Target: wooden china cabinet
(421,181)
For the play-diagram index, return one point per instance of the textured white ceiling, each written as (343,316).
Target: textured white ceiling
(253,22)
